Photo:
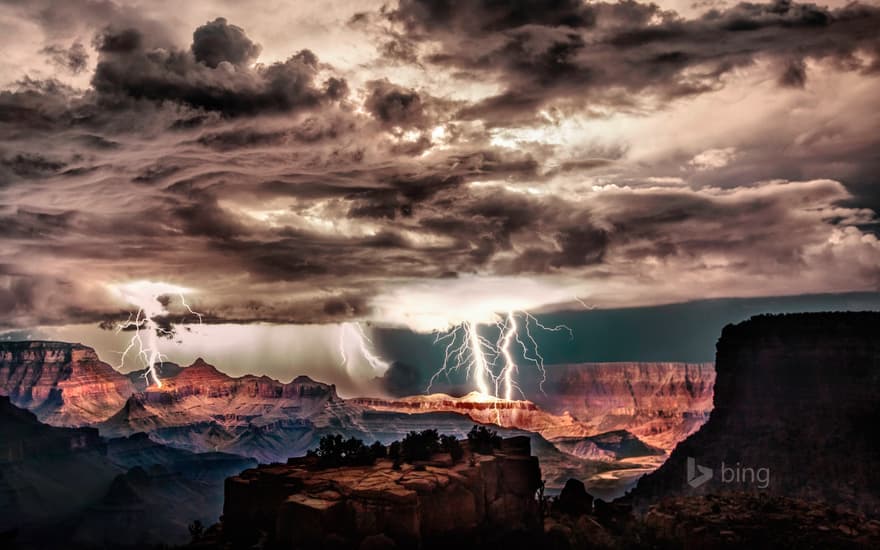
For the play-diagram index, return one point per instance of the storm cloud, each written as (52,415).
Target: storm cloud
(625,55)
(486,156)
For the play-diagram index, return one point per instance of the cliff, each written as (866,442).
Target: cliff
(63,384)
(797,403)
(63,486)
(521,414)
(47,474)
(660,403)
(301,505)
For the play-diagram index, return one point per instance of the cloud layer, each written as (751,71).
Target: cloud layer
(615,154)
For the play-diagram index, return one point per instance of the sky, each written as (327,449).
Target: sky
(419,164)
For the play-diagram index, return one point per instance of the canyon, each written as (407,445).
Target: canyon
(793,394)
(222,424)
(63,486)
(199,408)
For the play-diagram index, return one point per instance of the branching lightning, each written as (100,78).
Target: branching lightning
(468,350)
(145,340)
(354,337)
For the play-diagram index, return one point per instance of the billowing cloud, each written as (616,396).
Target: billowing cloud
(607,153)
(213,75)
(624,55)
(217,42)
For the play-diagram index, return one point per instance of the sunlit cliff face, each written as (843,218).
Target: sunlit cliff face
(429,165)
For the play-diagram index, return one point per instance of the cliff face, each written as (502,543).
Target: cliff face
(522,415)
(302,506)
(47,473)
(661,403)
(201,392)
(60,486)
(202,409)
(798,396)
(63,384)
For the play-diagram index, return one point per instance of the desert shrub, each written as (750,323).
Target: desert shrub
(419,445)
(378,450)
(482,440)
(394,450)
(335,451)
(196,531)
(449,444)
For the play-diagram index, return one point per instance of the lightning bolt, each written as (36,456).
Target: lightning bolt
(466,349)
(353,335)
(145,340)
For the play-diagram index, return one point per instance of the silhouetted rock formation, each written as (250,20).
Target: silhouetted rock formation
(47,474)
(797,395)
(300,505)
(574,499)
(63,486)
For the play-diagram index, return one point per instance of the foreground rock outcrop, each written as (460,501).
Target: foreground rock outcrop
(302,505)
(797,405)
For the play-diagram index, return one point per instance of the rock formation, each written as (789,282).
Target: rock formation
(797,396)
(46,473)
(660,403)
(60,486)
(522,415)
(300,505)
(63,384)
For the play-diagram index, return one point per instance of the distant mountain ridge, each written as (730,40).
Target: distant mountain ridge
(200,409)
(66,384)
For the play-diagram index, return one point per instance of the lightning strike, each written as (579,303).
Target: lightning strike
(146,295)
(466,349)
(353,337)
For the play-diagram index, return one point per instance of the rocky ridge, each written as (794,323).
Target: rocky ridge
(63,384)
(660,403)
(302,505)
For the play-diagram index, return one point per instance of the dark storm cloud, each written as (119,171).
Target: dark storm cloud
(73,59)
(212,75)
(393,105)
(218,41)
(281,195)
(544,51)
(30,165)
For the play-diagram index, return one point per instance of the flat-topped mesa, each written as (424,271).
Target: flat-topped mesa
(797,403)
(516,414)
(62,383)
(302,505)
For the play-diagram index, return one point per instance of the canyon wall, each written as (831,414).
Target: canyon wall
(797,395)
(63,384)
(661,403)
